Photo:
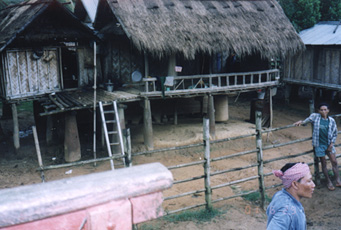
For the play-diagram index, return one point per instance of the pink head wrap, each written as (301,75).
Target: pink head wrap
(294,173)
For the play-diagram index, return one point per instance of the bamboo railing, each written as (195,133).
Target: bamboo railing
(195,84)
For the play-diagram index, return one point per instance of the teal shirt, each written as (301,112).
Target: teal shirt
(323,137)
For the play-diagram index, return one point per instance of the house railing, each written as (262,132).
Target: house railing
(210,82)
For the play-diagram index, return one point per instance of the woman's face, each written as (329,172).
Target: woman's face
(324,111)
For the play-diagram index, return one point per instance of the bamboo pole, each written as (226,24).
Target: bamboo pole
(234,155)
(189,179)
(207,167)
(260,158)
(288,157)
(234,196)
(184,209)
(233,169)
(81,162)
(186,165)
(95,102)
(40,161)
(184,194)
(235,182)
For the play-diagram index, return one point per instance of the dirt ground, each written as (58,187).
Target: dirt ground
(323,210)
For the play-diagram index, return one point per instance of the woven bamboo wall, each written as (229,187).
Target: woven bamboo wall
(26,75)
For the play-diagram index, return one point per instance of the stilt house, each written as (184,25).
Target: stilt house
(319,66)
(181,56)
(44,51)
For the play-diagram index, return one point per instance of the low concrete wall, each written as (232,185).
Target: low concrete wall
(107,200)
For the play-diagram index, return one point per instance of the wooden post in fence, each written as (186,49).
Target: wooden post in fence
(316,159)
(207,169)
(260,158)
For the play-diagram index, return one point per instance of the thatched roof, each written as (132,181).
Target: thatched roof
(15,19)
(193,26)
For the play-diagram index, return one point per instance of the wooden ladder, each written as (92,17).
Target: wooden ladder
(111,122)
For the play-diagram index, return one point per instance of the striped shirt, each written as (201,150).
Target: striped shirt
(314,119)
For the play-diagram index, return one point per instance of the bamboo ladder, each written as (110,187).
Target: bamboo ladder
(110,121)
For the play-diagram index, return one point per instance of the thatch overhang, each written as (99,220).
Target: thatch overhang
(162,27)
(24,21)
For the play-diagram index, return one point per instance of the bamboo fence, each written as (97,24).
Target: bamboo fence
(206,162)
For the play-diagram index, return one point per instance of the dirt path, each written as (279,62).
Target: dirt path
(323,210)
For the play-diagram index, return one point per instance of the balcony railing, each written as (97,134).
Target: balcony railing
(195,84)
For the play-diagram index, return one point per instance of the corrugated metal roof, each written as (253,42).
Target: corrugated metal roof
(91,8)
(323,33)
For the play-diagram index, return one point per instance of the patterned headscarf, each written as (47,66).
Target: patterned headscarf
(294,173)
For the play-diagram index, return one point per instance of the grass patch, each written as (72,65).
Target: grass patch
(255,197)
(201,215)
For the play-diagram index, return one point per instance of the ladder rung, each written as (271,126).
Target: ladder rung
(112,132)
(111,121)
(116,143)
(109,111)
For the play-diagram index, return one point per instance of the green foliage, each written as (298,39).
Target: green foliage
(302,13)
(330,10)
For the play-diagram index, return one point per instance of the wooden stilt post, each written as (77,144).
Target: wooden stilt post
(260,158)
(148,126)
(207,169)
(176,112)
(72,149)
(49,132)
(271,114)
(171,65)
(16,140)
(211,115)
(128,161)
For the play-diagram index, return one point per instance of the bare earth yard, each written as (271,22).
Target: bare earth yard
(323,210)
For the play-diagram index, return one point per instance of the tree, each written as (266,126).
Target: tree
(302,13)
(330,10)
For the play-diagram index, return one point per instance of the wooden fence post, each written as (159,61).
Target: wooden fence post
(316,159)
(260,158)
(207,169)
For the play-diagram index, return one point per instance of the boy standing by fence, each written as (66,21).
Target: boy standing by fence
(324,137)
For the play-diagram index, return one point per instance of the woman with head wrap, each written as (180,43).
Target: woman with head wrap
(285,210)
